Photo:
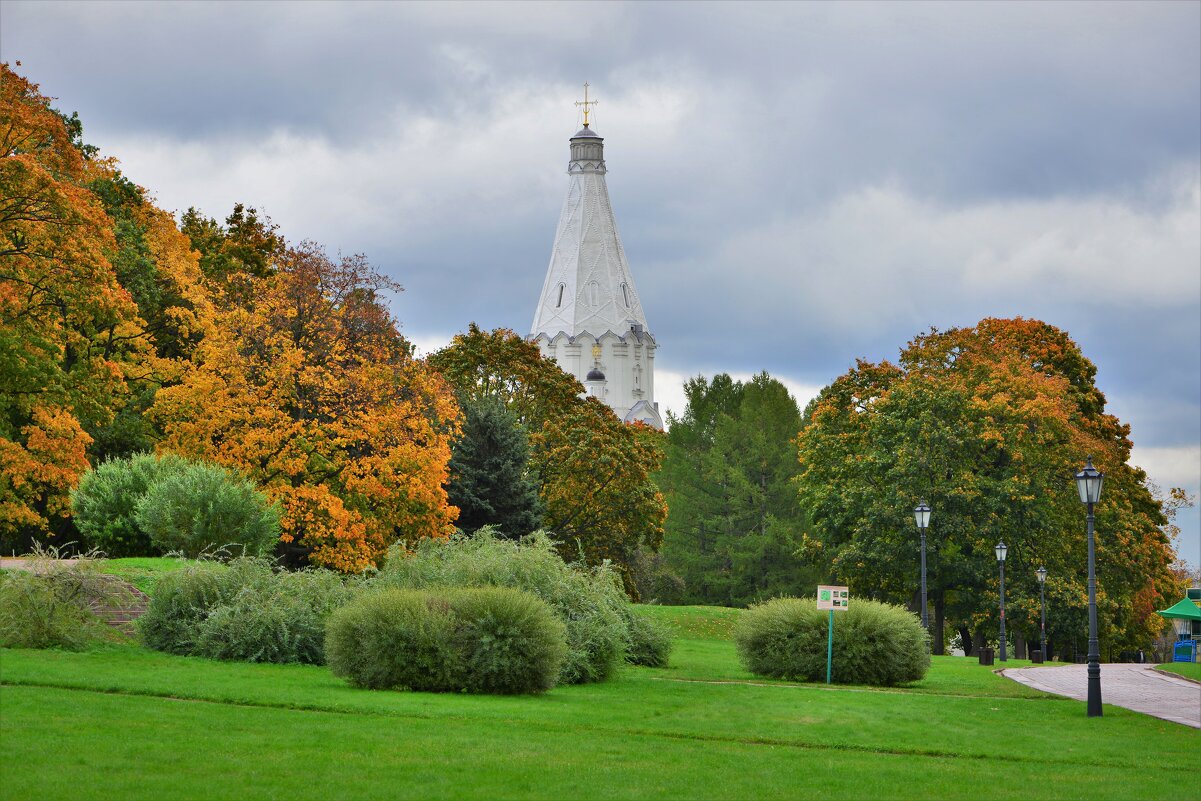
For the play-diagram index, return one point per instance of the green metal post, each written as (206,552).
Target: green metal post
(830,647)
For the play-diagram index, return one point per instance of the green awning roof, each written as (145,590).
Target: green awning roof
(1185,610)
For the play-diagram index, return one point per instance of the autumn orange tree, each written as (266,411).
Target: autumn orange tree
(310,389)
(988,424)
(595,473)
(74,347)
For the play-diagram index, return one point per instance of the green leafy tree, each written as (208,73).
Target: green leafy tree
(734,529)
(490,478)
(988,424)
(601,500)
(596,486)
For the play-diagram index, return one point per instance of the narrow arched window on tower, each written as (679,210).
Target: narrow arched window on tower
(559,302)
(625,295)
(593,294)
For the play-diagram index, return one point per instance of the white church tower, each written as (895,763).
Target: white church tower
(589,318)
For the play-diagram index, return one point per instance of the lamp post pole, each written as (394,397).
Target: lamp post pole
(1088,483)
(922,515)
(1001,550)
(1042,606)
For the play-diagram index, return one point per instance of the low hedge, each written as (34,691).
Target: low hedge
(490,640)
(874,643)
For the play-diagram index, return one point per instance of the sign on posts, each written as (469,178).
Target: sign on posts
(834,599)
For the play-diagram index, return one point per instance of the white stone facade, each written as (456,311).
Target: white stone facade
(588,297)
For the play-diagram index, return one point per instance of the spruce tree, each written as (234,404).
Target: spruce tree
(490,480)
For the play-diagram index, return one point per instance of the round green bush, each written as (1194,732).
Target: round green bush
(204,506)
(494,640)
(393,639)
(650,640)
(246,611)
(104,505)
(588,601)
(507,641)
(874,643)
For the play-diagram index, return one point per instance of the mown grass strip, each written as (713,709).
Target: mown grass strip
(574,728)
(904,722)
(81,745)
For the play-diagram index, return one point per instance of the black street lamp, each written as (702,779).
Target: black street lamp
(922,515)
(1042,605)
(1088,483)
(1001,551)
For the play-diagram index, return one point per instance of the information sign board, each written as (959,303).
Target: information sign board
(832,598)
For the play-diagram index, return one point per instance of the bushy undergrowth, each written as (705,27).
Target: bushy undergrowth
(874,643)
(106,501)
(588,601)
(50,604)
(491,640)
(245,610)
(650,640)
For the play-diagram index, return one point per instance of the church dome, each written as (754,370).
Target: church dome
(595,375)
(586,133)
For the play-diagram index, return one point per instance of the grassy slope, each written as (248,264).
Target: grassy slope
(1190,670)
(143,572)
(110,722)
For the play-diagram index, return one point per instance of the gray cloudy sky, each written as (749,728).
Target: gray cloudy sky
(796,185)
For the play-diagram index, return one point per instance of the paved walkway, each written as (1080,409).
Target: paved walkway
(1136,687)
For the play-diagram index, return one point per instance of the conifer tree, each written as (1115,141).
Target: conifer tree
(490,479)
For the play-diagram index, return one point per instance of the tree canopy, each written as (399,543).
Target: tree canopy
(98,294)
(314,393)
(120,332)
(734,528)
(988,424)
(594,473)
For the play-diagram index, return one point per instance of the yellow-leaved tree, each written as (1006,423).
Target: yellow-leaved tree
(308,388)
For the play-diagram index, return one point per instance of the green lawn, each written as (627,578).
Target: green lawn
(110,723)
(1190,670)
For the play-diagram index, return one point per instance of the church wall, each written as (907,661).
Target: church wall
(619,361)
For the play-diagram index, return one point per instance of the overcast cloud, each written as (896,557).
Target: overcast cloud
(796,185)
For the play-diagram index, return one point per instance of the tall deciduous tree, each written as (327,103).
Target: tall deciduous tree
(988,424)
(313,392)
(71,340)
(598,488)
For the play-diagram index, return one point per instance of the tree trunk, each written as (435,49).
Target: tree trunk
(969,646)
(940,608)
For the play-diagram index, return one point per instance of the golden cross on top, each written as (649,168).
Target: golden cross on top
(586,103)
